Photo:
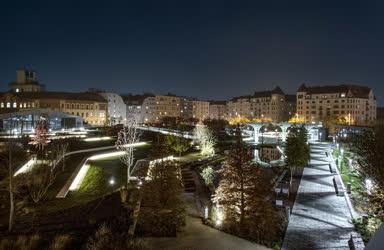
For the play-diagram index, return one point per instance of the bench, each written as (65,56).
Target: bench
(355,242)
(332,169)
(338,186)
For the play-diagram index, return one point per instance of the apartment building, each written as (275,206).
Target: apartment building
(355,105)
(136,104)
(264,105)
(117,109)
(156,107)
(217,110)
(200,110)
(290,107)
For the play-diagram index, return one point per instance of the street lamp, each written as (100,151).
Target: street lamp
(350,161)
(341,159)
(277,137)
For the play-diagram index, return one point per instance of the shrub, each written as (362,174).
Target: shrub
(60,242)
(102,239)
(22,242)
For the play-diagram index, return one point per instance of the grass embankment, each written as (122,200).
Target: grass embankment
(358,189)
(95,184)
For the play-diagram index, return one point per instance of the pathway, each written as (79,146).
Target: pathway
(319,219)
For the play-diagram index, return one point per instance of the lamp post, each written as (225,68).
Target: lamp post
(263,131)
(341,159)
(350,161)
(277,138)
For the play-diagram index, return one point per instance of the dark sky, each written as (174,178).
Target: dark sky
(209,49)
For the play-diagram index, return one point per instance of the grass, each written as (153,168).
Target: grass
(358,189)
(95,184)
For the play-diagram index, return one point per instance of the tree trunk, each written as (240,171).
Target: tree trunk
(11,211)
(242,205)
(11,200)
(128,175)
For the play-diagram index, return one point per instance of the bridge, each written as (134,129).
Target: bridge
(166,131)
(280,132)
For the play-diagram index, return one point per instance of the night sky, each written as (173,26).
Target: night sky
(208,49)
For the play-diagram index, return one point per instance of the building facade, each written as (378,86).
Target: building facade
(350,104)
(27,93)
(217,110)
(200,110)
(156,107)
(26,81)
(135,105)
(265,105)
(117,109)
(89,106)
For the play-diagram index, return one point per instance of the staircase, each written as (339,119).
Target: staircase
(188,179)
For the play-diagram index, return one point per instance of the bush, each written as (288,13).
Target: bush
(22,242)
(106,238)
(60,242)
(368,229)
(157,223)
(103,239)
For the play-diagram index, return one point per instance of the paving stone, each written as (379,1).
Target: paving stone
(320,219)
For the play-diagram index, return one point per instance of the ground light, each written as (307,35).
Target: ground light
(206,212)
(112,181)
(26,167)
(368,185)
(219,217)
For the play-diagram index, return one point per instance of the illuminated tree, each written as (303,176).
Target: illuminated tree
(242,196)
(208,175)
(297,149)
(57,154)
(204,137)
(162,195)
(40,138)
(238,120)
(297,119)
(126,138)
(368,148)
(178,144)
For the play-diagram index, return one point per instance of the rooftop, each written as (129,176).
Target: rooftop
(355,90)
(58,95)
(260,94)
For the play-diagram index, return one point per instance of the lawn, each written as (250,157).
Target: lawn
(358,189)
(95,185)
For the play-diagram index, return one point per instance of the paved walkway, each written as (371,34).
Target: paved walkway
(319,219)
(197,236)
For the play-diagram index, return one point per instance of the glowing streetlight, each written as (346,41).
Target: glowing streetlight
(112,181)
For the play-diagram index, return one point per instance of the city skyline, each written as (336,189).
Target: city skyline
(186,48)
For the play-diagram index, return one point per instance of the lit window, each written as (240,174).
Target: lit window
(2,104)
(17,90)
(15,105)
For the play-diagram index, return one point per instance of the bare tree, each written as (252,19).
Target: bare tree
(8,164)
(38,180)
(126,138)
(58,155)
(204,137)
